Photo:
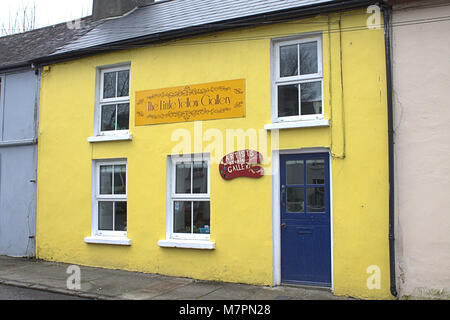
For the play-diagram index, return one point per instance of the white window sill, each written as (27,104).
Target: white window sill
(187,244)
(111,137)
(297,124)
(121,241)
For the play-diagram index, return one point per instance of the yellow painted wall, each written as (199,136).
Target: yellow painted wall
(354,101)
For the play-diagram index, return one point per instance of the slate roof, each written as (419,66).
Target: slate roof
(160,21)
(20,49)
(161,17)
(171,19)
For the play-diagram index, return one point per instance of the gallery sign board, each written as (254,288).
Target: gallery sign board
(217,100)
(243,163)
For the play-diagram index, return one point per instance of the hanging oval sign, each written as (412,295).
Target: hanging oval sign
(243,163)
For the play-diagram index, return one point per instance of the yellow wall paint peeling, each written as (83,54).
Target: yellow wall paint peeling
(354,102)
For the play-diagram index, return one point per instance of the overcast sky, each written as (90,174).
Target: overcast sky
(48,12)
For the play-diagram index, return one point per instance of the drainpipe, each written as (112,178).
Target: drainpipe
(387,35)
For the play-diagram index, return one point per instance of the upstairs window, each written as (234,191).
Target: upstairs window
(298,80)
(113,111)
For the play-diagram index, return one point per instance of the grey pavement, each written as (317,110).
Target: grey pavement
(16,293)
(105,284)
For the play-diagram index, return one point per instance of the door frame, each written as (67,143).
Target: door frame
(276,211)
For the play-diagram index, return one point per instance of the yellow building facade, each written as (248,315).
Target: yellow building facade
(241,237)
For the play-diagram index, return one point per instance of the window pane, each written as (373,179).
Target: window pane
(311,93)
(120,221)
(308,58)
(183,178)
(200,172)
(123,116)
(109,85)
(123,84)
(315,199)
(295,172)
(106,179)
(315,172)
(108,117)
(295,200)
(105,216)
(120,179)
(182,217)
(288,103)
(201,217)
(289,61)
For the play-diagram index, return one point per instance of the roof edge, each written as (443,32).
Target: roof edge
(273,17)
(16,67)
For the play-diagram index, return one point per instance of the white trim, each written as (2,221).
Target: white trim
(122,241)
(187,244)
(111,137)
(276,217)
(96,197)
(103,70)
(99,101)
(297,124)
(277,44)
(276,213)
(171,196)
(276,80)
(331,219)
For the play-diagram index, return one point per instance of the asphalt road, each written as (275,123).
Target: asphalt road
(14,293)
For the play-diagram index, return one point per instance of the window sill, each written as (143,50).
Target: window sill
(187,244)
(112,137)
(121,241)
(298,124)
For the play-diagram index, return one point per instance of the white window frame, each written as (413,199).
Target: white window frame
(278,81)
(172,196)
(110,135)
(98,197)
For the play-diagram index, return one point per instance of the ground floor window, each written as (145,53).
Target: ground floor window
(110,199)
(189,197)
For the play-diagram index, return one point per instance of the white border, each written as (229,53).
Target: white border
(106,138)
(276,213)
(297,124)
(99,101)
(121,241)
(276,80)
(188,244)
(105,237)
(192,241)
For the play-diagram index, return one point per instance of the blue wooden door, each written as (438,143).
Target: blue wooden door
(305,219)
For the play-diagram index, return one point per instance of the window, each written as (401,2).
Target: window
(305,186)
(110,203)
(298,80)
(189,198)
(113,110)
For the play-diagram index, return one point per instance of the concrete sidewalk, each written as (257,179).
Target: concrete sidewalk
(104,284)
